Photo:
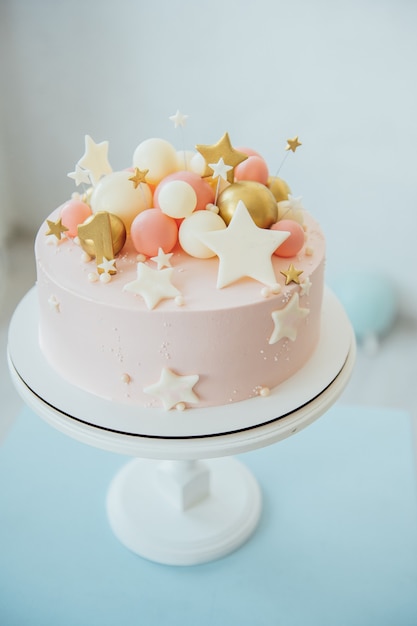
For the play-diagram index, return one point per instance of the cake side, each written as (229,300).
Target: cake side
(105,340)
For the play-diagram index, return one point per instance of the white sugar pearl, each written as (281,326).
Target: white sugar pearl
(105,278)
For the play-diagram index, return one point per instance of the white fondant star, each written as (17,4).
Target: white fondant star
(80,176)
(53,303)
(305,286)
(178,119)
(162,258)
(244,249)
(172,389)
(107,265)
(286,319)
(220,169)
(152,285)
(94,159)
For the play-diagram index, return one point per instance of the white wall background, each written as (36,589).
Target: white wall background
(341,75)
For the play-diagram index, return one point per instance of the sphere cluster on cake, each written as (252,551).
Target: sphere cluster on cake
(188,279)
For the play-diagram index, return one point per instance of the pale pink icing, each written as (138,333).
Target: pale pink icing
(99,333)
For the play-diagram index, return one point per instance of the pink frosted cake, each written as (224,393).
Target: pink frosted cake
(187,280)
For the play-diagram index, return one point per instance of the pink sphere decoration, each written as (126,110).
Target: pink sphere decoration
(295,241)
(253,168)
(204,193)
(151,230)
(73,213)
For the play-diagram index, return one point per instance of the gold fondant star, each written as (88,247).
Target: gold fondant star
(56,228)
(223,149)
(138,177)
(292,144)
(292,275)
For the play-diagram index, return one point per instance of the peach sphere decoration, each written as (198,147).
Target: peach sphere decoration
(293,244)
(73,213)
(254,168)
(152,230)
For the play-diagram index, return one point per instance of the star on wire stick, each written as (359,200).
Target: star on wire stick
(56,228)
(292,145)
(94,159)
(220,170)
(138,177)
(179,119)
(222,149)
(80,176)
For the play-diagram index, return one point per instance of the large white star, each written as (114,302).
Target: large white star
(94,159)
(153,285)
(286,320)
(172,389)
(244,249)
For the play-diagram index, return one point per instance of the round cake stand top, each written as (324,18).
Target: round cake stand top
(201,433)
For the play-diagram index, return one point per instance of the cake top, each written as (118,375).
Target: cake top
(216,209)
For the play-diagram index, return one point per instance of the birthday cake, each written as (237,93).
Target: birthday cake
(190,279)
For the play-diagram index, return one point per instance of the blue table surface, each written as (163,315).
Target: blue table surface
(336,545)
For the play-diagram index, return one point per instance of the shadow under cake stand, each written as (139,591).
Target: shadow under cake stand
(184,510)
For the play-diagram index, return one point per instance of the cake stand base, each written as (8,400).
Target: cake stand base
(147,523)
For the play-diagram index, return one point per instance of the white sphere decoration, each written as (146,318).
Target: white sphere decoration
(177,199)
(184,159)
(117,194)
(158,156)
(198,223)
(198,164)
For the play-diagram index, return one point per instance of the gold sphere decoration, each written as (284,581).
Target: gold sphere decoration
(279,188)
(257,198)
(92,243)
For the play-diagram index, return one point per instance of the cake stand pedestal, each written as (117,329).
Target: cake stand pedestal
(200,504)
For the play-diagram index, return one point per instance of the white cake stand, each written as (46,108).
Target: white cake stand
(183,511)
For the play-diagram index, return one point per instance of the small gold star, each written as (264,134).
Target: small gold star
(292,274)
(138,177)
(292,144)
(56,228)
(223,149)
